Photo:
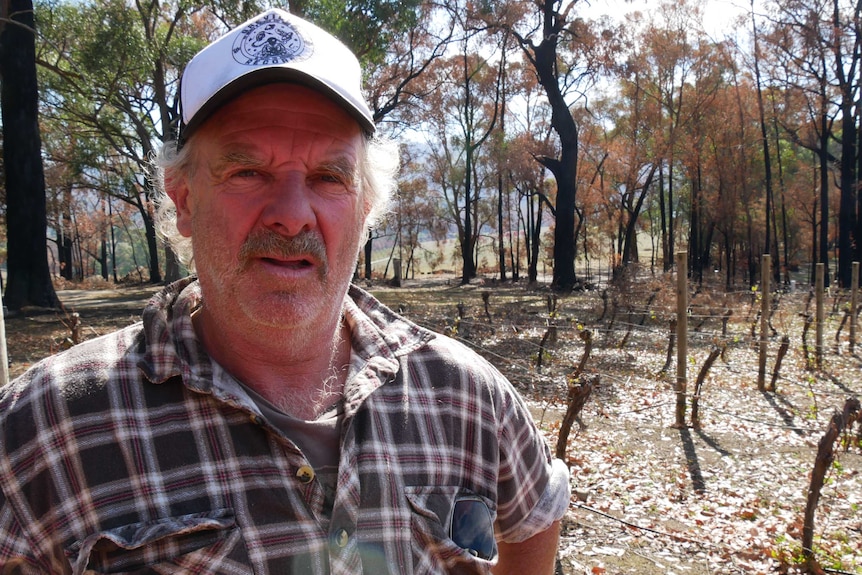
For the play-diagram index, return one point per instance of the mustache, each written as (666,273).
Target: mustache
(263,242)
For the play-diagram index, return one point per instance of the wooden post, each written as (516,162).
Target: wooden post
(854,304)
(818,291)
(396,272)
(765,271)
(4,357)
(681,335)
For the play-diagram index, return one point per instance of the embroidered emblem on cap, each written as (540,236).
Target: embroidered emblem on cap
(268,41)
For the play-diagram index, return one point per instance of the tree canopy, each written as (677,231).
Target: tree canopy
(537,137)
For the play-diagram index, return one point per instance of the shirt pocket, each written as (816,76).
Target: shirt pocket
(434,551)
(209,542)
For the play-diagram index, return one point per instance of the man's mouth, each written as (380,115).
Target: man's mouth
(296,264)
(295,254)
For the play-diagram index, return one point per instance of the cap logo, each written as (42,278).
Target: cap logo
(269,41)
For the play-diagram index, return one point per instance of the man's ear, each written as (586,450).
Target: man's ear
(177,188)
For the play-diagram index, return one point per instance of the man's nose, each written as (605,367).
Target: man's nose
(288,210)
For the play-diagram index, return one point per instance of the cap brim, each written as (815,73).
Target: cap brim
(263,76)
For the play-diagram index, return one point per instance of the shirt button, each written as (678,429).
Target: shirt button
(305,474)
(341,538)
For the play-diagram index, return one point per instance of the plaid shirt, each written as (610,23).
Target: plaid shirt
(124,454)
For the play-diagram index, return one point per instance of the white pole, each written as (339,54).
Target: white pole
(4,358)
(765,294)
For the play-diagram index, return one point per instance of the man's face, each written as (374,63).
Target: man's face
(273,209)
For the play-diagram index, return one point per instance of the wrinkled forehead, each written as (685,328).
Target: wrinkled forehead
(283,113)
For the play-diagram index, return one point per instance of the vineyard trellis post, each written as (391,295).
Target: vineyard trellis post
(854,303)
(765,289)
(818,293)
(681,335)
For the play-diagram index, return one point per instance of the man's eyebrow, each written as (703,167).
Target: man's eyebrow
(344,166)
(236,157)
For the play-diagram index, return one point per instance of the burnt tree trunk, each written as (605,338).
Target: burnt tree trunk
(26,216)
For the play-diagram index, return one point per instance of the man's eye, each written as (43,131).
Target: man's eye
(246,174)
(328,178)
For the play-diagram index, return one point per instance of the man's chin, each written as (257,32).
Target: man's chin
(290,310)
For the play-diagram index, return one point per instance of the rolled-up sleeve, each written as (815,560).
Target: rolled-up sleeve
(552,505)
(534,489)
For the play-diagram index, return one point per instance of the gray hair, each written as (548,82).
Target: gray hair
(378,168)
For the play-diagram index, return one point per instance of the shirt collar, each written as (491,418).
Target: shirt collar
(379,337)
(172,347)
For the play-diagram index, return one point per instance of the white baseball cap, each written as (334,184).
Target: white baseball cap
(275,46)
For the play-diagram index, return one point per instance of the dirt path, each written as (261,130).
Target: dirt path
(35,333)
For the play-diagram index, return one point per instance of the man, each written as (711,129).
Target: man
(265,416)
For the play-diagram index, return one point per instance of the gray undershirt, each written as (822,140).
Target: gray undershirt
(318,440)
